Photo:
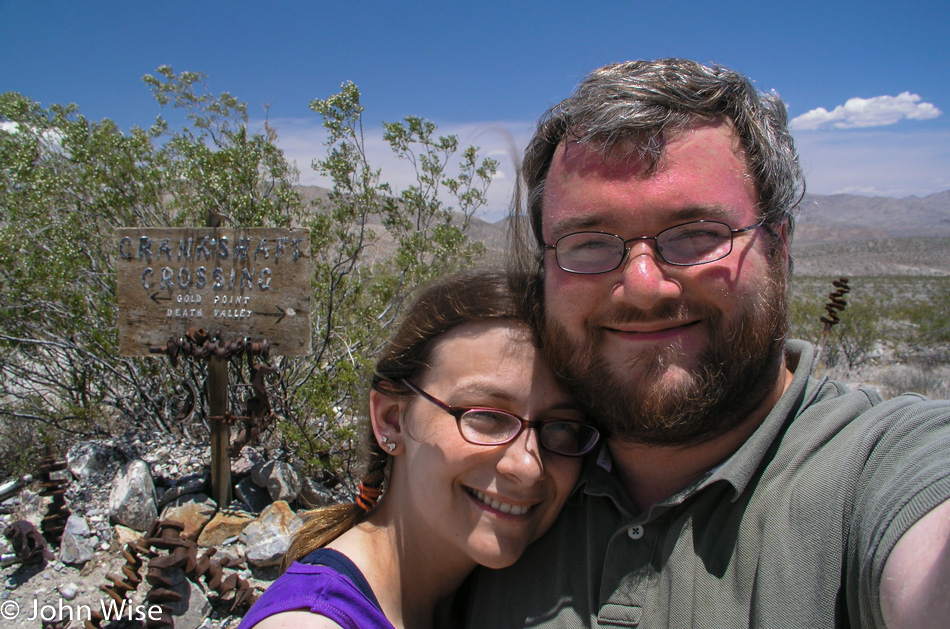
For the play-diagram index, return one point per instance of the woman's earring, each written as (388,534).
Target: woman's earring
(388,443)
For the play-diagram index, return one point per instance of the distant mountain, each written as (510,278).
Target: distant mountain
(822,218)
(837,217)
(494,235)
(835,234)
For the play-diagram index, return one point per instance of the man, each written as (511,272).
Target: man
(735,490)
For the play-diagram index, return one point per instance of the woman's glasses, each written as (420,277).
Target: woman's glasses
(493,427)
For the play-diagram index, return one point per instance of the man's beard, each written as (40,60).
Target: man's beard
(732,376)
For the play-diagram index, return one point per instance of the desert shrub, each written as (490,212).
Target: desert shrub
(858,334)
(66,182)
(930,317)
(359,294)
(857,337)
(934,382)
(804,309)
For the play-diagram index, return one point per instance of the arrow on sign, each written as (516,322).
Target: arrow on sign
(280,314)
(158,300)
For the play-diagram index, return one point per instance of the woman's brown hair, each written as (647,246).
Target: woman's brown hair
(439,308)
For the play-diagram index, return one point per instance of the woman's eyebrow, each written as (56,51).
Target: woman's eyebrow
(495,393)
(484,390)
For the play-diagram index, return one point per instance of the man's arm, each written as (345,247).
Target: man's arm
(915,586)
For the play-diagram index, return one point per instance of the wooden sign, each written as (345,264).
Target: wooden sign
(236,283)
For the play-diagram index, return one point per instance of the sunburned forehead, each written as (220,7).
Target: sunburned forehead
(632,159)
(702,173)
(585,160)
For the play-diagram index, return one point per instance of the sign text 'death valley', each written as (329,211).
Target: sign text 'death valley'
(239,283)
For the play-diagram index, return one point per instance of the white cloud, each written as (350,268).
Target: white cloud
(867,112)
(51,139)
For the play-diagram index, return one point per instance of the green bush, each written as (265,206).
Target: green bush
(66,183)
(906,315)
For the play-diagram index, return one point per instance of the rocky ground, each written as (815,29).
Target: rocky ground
(117,489)
(116,492)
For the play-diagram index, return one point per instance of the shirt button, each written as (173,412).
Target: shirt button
(635,532)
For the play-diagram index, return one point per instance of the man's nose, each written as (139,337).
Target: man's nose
(645,278)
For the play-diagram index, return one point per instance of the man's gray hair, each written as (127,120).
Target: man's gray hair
(635,107)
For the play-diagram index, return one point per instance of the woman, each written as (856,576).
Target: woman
(481,448)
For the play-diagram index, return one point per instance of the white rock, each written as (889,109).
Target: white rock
(78,545)
(268,537)
(88,457)
(132,500)
(68,590)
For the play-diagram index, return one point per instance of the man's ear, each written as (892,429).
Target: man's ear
(783,242)
(783,234)
(385,414)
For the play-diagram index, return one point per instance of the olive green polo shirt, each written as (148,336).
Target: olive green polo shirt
(792,531)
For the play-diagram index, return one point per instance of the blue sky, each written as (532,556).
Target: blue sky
(868,82)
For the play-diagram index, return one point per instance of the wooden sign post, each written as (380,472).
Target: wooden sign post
(220,431)
(237,284)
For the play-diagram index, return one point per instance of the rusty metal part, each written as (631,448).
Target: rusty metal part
(187,407)
(169,536)
(836,302)
(162,595)
(164,619)
(198,336)
(200,343)
(29,546)
(54,523)
(185,557)
(123,585)
(171,348)
(228,418)
(259,415)
(258,405)
(169,551)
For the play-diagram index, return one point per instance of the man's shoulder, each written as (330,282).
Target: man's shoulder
(866,402)
(835,413)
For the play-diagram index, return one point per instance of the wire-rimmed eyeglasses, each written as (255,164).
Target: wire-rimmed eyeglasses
(687,244)
(485,426)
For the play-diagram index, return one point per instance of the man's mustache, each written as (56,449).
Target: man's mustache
(619,315)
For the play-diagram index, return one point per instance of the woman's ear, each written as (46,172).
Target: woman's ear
(385,413)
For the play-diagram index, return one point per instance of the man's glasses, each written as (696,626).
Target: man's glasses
(689,244)
(494,427)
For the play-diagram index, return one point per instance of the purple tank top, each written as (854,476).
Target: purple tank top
(327,583)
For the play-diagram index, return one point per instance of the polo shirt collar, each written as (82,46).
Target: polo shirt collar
(737,470)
